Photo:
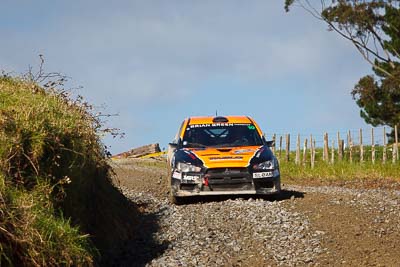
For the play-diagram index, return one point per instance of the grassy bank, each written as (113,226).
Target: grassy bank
(33,235)
(57,202)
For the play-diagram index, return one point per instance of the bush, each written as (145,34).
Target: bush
(44,134)
(31,234)
(54,179)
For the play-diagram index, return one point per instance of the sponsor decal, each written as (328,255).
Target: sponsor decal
(255,154)
(176,175)
(226,158)
(197,156)
(222,124)
(189,153)
(259,152)
(241,151)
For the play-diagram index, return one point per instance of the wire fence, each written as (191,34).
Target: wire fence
(357,145)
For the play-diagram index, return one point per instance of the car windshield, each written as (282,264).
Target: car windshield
(226,135)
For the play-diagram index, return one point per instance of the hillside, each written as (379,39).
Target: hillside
(57,201)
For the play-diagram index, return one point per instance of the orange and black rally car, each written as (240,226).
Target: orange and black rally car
(221,156)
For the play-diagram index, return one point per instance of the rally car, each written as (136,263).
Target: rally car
(221,156)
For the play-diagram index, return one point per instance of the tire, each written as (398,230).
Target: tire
(175,200)
(172,198)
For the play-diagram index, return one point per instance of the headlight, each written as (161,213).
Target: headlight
(184,167)
(266,165)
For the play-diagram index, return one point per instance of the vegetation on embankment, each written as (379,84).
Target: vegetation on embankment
(57,202)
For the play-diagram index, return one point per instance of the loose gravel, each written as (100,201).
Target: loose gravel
(382,206)
(306,226)
(230,232)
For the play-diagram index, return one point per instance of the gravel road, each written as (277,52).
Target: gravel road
(305,226)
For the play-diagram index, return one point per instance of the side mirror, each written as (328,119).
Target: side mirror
(270,143)
(173,145)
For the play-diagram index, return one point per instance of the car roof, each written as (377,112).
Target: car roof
(209,119)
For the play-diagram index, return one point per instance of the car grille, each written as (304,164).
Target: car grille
(224,170)
(228,175)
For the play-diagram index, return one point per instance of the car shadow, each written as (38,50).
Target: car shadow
(286,194)
(282,196)
(142,247)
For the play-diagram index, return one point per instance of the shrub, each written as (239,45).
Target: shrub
(51,160)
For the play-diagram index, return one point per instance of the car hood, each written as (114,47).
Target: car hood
(225,156)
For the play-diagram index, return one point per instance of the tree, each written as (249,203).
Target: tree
(373,26)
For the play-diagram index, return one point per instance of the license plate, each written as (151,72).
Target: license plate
(190,178)
(262,174)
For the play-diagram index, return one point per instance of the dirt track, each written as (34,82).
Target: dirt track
(305,226)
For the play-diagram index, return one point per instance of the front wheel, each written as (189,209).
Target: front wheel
(175,200)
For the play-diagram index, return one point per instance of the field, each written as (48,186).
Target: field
(341,170)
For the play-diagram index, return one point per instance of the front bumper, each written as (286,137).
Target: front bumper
(230,182)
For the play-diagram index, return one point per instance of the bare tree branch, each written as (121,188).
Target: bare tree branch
(353,40)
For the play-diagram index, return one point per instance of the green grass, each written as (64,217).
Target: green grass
(46,140)
(342,170)
(147,163)
(58,205)
(32,235)
(41,131)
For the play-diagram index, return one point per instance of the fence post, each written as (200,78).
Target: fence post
(384,156)
(333,152)
(323,149)
(361,147)
(341,149)
(297,160)
(305,152)
(394,153)
(350,143)
(326,148)
(372,146)
(287,147)
(396,141)
(274,141)
(312,152)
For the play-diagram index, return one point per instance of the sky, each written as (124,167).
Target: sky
(156,62)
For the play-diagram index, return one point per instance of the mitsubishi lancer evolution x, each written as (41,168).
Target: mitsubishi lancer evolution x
(221,156)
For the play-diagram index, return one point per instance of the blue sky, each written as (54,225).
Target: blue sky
(156,62)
